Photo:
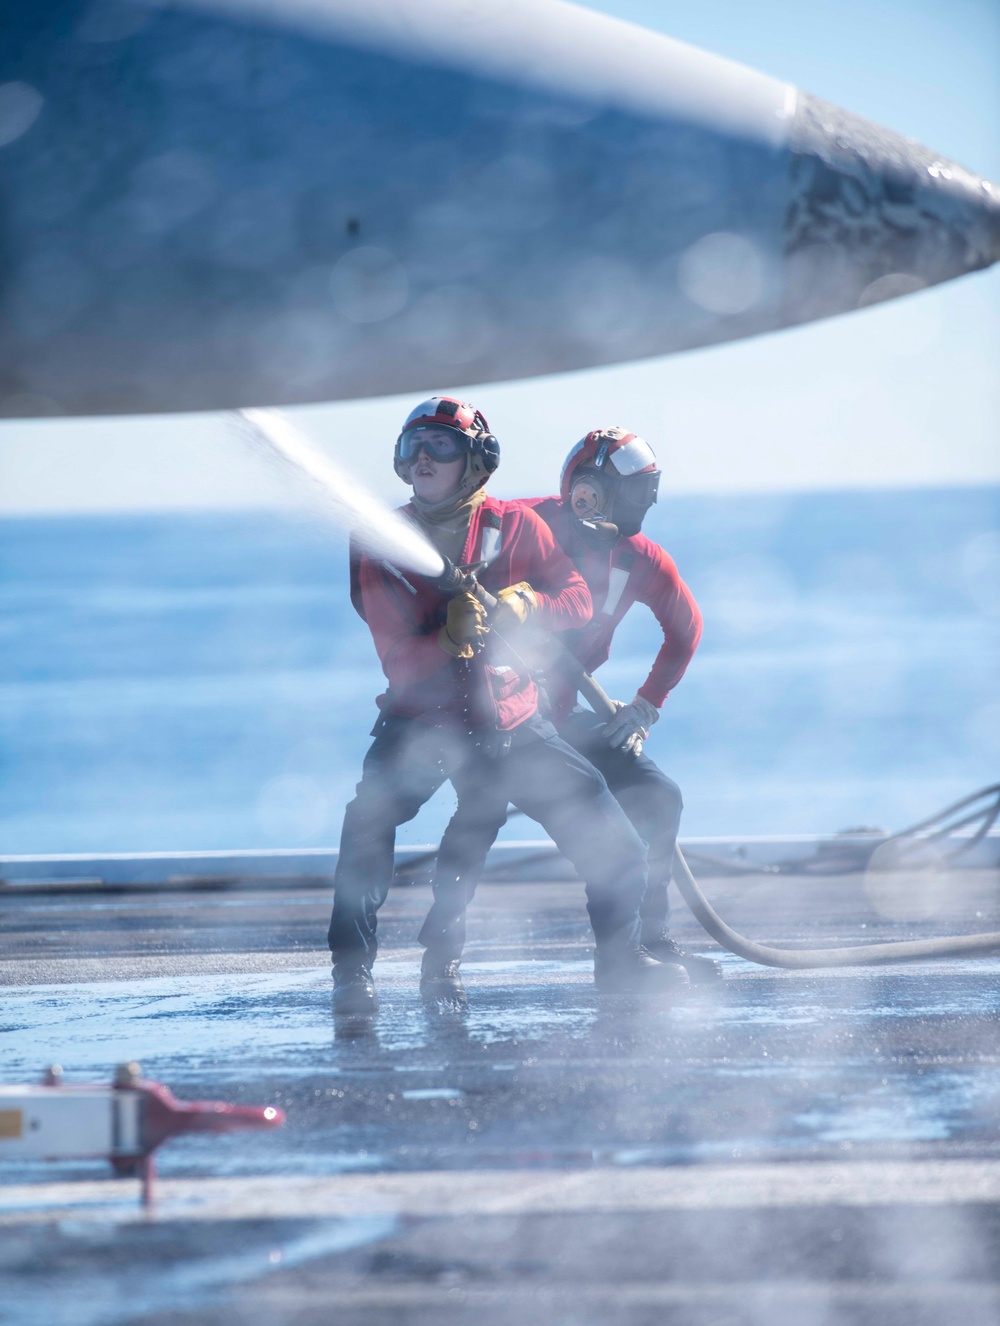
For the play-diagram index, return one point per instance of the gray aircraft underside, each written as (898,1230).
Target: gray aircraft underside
(212,203)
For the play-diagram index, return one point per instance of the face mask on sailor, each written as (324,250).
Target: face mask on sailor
(633,497)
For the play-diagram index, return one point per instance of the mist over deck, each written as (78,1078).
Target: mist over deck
(789,1148)
(780,1148)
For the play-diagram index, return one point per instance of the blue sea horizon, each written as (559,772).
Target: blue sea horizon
(200,681)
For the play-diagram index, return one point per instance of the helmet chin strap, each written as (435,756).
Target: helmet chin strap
(476,474)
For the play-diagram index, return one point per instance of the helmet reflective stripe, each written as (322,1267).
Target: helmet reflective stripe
(634,456)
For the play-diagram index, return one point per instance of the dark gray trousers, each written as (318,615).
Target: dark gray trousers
(539,773)
(651,801)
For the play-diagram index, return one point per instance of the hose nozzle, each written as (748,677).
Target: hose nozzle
(452,580)
(462,579)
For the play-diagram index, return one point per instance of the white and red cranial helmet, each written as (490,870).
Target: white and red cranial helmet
(615,479)
(482,448)
(610,450)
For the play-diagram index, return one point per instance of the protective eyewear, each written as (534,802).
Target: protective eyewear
(438,441)
(636,491)
(639,490)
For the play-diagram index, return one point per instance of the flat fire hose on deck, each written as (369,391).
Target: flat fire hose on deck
(864,955)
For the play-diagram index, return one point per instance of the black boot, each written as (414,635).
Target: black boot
(441,985)
(701,971)
(629,969)
(354,993)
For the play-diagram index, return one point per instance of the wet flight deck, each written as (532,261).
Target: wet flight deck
(800,1147)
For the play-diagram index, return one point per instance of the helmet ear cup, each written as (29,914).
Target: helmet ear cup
(488,448)
(484,444)
(588,499)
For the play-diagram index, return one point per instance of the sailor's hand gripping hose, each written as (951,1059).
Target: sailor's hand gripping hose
(454,581)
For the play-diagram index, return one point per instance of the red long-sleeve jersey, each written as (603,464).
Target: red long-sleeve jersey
(405,612)
(632,570)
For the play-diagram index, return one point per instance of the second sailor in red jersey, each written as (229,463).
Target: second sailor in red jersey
(460,706)
(609,481)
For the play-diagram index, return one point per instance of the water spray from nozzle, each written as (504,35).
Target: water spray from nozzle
(340,496)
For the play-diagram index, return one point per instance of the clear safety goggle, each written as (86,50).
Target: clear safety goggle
(437,440)
(591,495)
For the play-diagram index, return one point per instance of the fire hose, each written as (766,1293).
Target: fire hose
(456,580)
(859,955)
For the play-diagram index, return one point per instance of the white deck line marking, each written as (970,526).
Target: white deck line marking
(483,1192)
(781,1296)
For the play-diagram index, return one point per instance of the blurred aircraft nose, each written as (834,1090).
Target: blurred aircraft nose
(873,215)
(215,203)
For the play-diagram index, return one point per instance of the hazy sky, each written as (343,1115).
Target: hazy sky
(904,393)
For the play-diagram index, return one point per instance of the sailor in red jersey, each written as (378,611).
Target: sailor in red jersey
(609,481)
(462,705)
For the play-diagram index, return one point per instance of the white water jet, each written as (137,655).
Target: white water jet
(340,496)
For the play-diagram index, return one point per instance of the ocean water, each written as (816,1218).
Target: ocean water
(201,681)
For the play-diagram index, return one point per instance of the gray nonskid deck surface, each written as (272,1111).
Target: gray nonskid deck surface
(788,1147)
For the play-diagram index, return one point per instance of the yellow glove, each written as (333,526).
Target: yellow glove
(515,605)
(465,631)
